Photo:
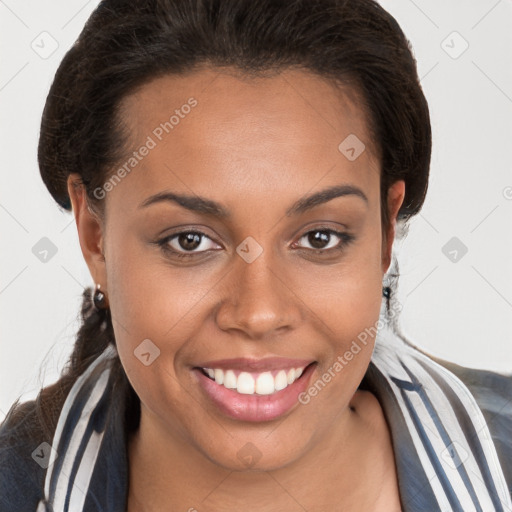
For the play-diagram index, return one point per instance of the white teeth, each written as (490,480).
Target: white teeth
(248,383)
(245,384)
(265,384)
(230,380)
(281,380)
(218,375)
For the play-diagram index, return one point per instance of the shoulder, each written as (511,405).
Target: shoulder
(21,477)
(493,393)
(491,390)
(25,438)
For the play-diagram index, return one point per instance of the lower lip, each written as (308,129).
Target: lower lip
(255,407)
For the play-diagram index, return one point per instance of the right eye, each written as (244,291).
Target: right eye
(186,244)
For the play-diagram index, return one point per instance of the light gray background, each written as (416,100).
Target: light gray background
(459,310)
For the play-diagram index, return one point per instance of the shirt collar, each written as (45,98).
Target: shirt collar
(444,453)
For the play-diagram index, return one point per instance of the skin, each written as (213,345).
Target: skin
(255,145)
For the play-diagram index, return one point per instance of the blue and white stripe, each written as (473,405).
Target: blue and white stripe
(446,458)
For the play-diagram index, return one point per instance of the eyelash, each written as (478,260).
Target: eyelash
(346,239)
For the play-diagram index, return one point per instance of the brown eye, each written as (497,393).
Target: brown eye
(326,239)
(187,244)
(189,241)
(318,239)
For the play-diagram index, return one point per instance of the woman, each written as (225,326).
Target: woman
(237,171)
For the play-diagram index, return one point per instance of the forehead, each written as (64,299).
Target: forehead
(227,95)
(219,127)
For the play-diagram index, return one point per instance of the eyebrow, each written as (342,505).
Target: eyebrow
(209,207)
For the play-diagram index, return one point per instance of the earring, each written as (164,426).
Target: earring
(386,292)
(99,299)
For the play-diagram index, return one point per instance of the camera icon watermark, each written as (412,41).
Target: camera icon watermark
(454,249)
(454,455)
(44,250)
(454,45)
(44,455)
(249,454)
(146,352)
(352,147)
(249,249)
(45,45)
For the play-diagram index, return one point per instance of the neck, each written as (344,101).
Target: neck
(346,470)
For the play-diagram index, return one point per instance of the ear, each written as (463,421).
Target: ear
(90,230)
(396,194)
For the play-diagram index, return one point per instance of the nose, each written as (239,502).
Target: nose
(259,300)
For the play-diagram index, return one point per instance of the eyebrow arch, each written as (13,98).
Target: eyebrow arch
(309,202)
(209,207)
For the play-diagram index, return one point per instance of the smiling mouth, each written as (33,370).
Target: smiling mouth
(255,391)
(255,383)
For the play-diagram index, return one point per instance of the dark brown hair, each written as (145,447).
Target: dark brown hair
(126,44)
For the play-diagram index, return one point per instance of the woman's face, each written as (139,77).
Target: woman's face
(265,276)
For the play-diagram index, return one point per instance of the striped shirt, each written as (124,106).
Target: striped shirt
(447,459)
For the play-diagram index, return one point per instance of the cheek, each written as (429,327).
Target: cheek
(152,310)
(150,297)
(349,303)
(351,313)
(351,292)
(151,305)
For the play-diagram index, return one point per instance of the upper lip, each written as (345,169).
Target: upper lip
(256,365)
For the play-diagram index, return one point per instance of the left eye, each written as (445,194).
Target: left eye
(323,239)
